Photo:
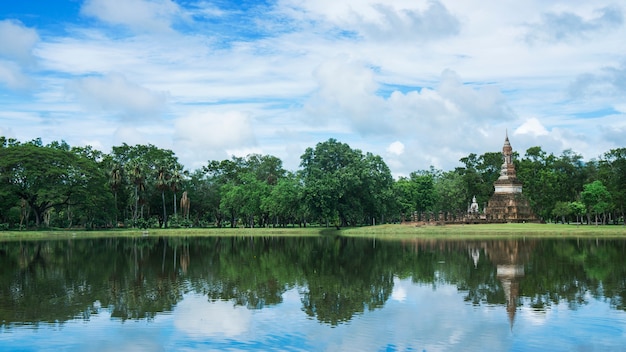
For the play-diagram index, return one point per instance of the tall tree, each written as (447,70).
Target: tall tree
(115,183)
(451,195)
(336,182)
(162,184)
(137,175)
(596,198)
(176,180)
(612,171)
(47,177)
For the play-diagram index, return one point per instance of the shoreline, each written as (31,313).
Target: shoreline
(386,231)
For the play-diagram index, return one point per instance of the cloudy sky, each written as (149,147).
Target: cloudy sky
(417,82)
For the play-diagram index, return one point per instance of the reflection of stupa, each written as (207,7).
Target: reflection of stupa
(508,274)
(508,204)
(509,258)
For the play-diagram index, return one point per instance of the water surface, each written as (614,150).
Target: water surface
(304,294)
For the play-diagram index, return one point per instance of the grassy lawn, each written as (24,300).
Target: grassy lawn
(379,232)
(487,230)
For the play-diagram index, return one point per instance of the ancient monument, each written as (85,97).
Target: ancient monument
(508,204)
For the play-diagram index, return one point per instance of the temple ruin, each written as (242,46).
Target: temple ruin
(508,204)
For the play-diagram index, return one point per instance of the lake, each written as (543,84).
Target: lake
(312,294)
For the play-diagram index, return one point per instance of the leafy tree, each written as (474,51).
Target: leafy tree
(612,172)
(578,209)
(283,204)
(336,184)
(115,183)
(141,164)
(137,175)
(417,192)
(205,198)
(479,174)
(378,188)
(450,193)
(244,184)
(596,198)
(51,178)
(562,210)
(549,179)
(162,184)
(176,179)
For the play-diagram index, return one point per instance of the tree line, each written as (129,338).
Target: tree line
(59,186)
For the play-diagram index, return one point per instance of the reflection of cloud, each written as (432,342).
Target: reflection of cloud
(198,317)
(399,293)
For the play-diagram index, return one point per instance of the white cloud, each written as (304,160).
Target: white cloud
(139,15)
(347,90)
(407,24)
(115,93)
(396,148)
(609,80)
(532,126)
(204,135)
(16,54)
(12,76)
(130,135)
(17,41)
(564,26)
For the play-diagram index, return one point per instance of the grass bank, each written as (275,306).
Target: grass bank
(381,232)
(486,230)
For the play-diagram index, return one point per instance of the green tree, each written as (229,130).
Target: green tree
(479,174)
(141,164)
(549,179)
(451,195)
(336,185)
(578,209)
(162,184)
(137,175)
(416,192)
(612,171)
(562,210)
(115,183)
(596,198)
(49,178)
(176,180)
(283,204)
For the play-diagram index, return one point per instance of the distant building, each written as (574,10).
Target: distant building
(508,204)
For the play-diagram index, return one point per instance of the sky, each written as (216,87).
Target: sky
(420,83)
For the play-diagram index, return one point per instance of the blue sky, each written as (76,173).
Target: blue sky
(420,83)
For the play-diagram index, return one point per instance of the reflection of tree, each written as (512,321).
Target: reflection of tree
(344,278)
(252,272)
(137,278)
(53,281)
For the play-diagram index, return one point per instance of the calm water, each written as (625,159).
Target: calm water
(312,294)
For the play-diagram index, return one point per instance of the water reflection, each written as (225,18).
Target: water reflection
(333,279)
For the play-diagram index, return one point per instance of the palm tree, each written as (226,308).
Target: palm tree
(162,184)
(137,178)
(175,181)
(115,182)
